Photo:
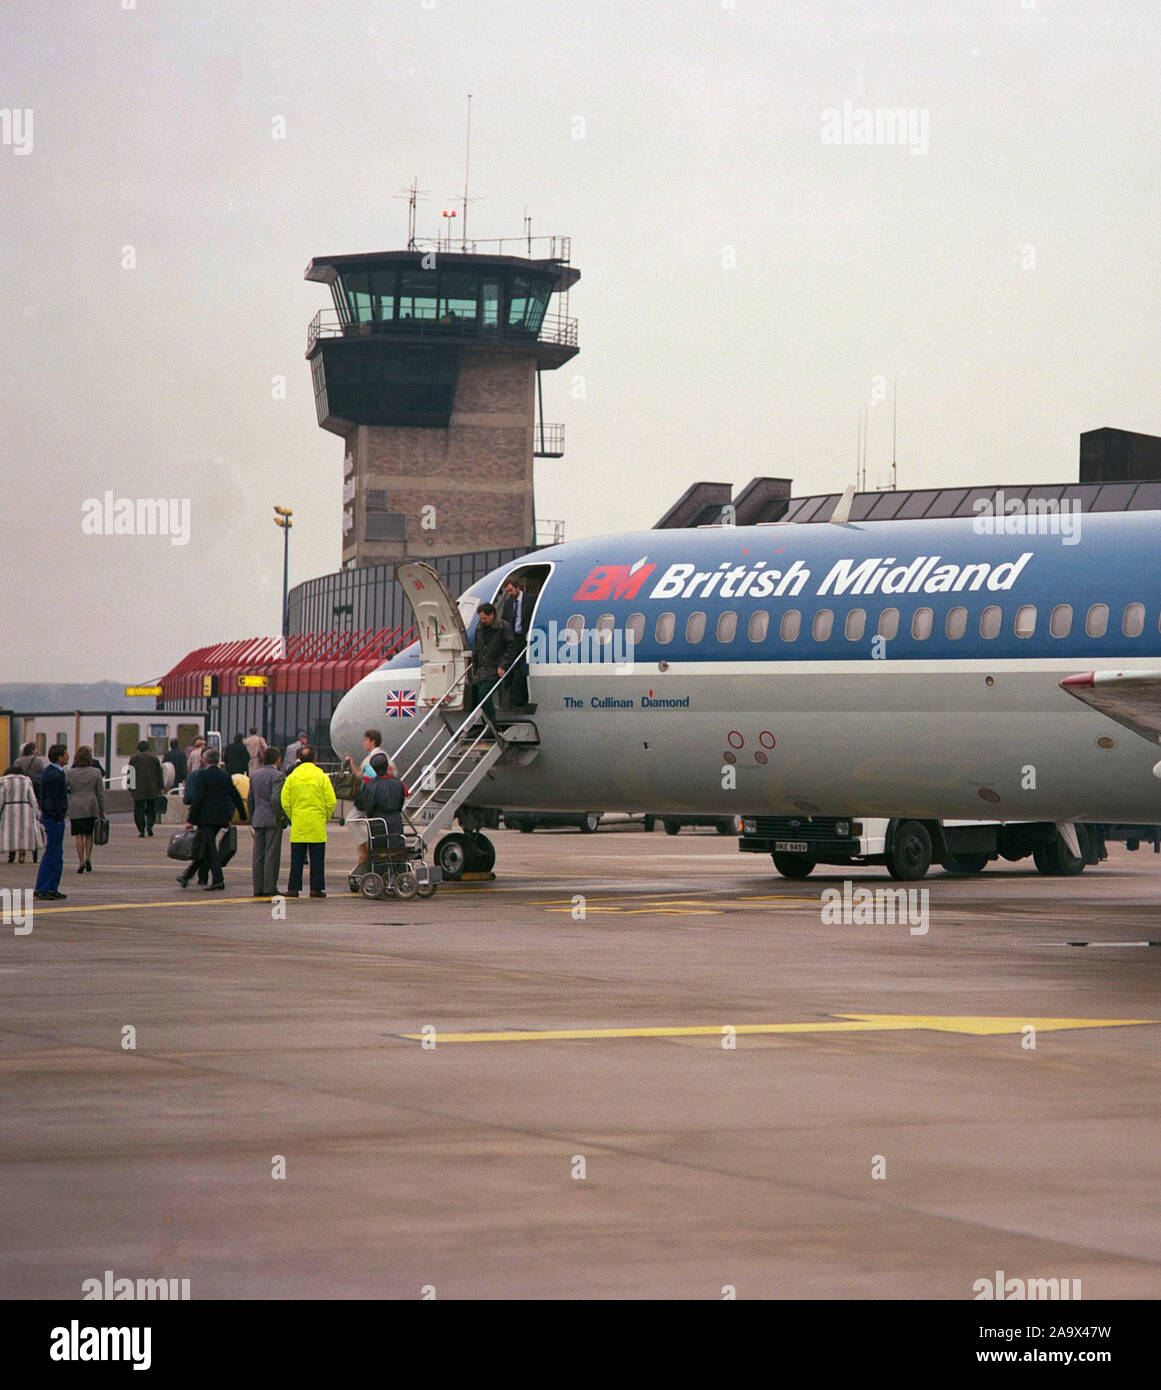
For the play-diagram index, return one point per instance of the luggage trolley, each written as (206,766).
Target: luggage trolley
(395,865)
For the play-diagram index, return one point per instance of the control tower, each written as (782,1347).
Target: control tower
(428,366)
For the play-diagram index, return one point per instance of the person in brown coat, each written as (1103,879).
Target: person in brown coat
(148,783)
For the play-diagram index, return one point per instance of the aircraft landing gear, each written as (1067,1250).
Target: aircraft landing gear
(460,854)
(1058,861)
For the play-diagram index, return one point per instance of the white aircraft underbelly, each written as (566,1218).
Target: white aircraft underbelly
(831,738)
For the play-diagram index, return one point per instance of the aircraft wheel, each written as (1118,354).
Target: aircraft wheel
(910,856)
(405,885)
(451,854)
(481,854)
(372,886)
(794,865)
(1058,861)
(967,864)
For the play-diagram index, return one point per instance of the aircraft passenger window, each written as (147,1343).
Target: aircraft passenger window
(759,622)
(635,628)
(1097,622)
(856,624)
(1060,623)
(666,627)
(921,624)
(956,625)
(990,620)
(820,629)
(605,629)
(1025,624)
(790,625)
(727,626)
(574,629)
(695,627)
(1133,623)
(888,623)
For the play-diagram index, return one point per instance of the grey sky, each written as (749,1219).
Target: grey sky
(1006,278)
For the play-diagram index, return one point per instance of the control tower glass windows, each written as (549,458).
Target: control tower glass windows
(459,296)
(418,298)
(527,301)
(358,290)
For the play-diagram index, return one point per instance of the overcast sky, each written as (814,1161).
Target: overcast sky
(752,272)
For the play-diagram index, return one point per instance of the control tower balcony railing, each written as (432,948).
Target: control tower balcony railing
(548,441)
(556,330)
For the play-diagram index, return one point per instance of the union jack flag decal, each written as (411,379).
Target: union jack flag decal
(400,703)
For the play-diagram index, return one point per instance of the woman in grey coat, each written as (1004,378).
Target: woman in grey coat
(86,803)
(264,808)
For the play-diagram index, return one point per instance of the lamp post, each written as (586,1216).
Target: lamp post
(282,518)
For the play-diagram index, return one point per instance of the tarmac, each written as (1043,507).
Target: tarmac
(633,1066)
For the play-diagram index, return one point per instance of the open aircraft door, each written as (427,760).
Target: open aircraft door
(443,639)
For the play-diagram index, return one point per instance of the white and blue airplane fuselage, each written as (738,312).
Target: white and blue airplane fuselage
(884,669)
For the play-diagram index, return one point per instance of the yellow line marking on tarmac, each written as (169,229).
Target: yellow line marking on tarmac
(845,1023)
(175,902)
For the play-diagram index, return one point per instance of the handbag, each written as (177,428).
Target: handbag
(101,831)
(181,844)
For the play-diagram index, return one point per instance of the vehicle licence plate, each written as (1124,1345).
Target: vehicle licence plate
(791,846)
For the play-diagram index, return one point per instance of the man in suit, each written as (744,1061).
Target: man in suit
(516,610)
(179,760)
(54,805)
(212,800)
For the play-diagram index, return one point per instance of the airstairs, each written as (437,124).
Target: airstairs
(449,753)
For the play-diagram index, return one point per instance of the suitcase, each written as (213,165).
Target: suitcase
(181,844)
(101,831)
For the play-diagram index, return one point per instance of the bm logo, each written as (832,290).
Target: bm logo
(615,581)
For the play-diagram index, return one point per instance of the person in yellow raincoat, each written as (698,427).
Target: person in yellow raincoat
(307,800)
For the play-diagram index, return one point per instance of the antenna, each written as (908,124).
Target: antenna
(467,166)
(894,434)
(412,194)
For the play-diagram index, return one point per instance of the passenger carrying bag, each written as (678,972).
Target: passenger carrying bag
(181,845)
(101,831)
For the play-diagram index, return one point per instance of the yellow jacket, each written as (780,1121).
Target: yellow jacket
(308,799)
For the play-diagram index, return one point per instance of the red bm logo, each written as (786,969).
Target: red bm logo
(615,581)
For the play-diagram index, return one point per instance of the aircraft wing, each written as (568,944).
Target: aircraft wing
(1132,698)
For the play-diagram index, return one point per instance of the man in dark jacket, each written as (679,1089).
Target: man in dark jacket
(180,764)
(212,803)
(493,647)
(148,783)
(237,757)
(54,805)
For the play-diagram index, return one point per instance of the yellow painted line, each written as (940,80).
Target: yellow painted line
(192,901)
(847,1023)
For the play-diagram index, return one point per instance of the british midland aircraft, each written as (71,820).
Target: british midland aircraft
(926,669)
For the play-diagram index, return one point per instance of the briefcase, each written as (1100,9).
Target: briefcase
(181,844)
(101,831)
(228,845)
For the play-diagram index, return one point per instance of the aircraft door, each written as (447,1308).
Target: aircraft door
(443,639)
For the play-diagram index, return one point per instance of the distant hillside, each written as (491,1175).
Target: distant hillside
(28,697)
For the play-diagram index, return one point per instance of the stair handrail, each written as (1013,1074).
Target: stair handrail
(433,710)
(458,734)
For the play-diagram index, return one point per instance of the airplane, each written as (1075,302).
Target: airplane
(930,669)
